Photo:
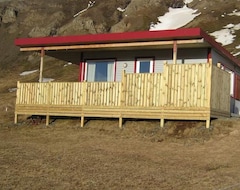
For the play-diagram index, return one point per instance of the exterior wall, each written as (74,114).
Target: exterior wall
(217,58)
(189,56)
(185,56)
(229,66)
(235,106)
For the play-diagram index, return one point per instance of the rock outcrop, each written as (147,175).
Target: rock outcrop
(9,15)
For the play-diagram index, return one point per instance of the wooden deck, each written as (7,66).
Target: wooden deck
(181,92)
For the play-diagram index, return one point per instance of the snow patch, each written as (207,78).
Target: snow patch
(236,54)
(175,18)
(67,64)
(224,36)
(121,9)
(12,89)
(188,1)
(234,13)
(227,35)
(47,80)
(27,72)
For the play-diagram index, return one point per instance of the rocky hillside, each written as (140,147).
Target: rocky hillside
(24,18)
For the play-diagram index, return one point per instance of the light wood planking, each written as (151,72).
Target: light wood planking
(188,91)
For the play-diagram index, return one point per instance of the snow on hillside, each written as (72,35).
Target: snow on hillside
(175,18)
(179,17)
(28,72)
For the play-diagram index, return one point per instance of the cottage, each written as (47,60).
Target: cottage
(168,74)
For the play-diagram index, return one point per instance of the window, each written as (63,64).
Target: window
(231,81)
(100,70)
(145,65)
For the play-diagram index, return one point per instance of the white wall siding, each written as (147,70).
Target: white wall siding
(160,56)
(120,68)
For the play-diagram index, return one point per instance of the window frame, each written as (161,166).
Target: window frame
(87,61)
(140,59)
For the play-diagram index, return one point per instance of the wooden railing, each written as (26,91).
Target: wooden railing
(189,91)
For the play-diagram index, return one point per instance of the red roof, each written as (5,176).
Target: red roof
(111,37)
(139,36)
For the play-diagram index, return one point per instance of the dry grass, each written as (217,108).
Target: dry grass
(100,156)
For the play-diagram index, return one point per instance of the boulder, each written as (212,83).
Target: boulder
(9,15)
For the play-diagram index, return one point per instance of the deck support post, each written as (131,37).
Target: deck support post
(208,123)
(47,120)
(161,122)
(120,122)
(15,118)
(82,121)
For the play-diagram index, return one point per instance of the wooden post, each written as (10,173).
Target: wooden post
(15,118)
(123,89)
(41,66)
(161,122)
(210,61)
(122,97)
(48,102)
(17,99)
(175,52)
(120,122)
(84,101)
(47,120)
(209,91)
(82,121)
(207,123)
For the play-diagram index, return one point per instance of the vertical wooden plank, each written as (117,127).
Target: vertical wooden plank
(194,86)
(17,101)
(134,90)
(160,87)
(182,84)
(123,89)
(18,93)
(172,89)
(208,85)
(129,90)
(154,97)
(101,90)
(165,86)
(84,93)
(189,97)
(203,88)
(169,89)
(199,86)
(178,89)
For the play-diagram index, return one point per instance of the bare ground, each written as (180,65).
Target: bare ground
(183,155)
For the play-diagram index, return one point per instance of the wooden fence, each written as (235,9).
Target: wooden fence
(191,91)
